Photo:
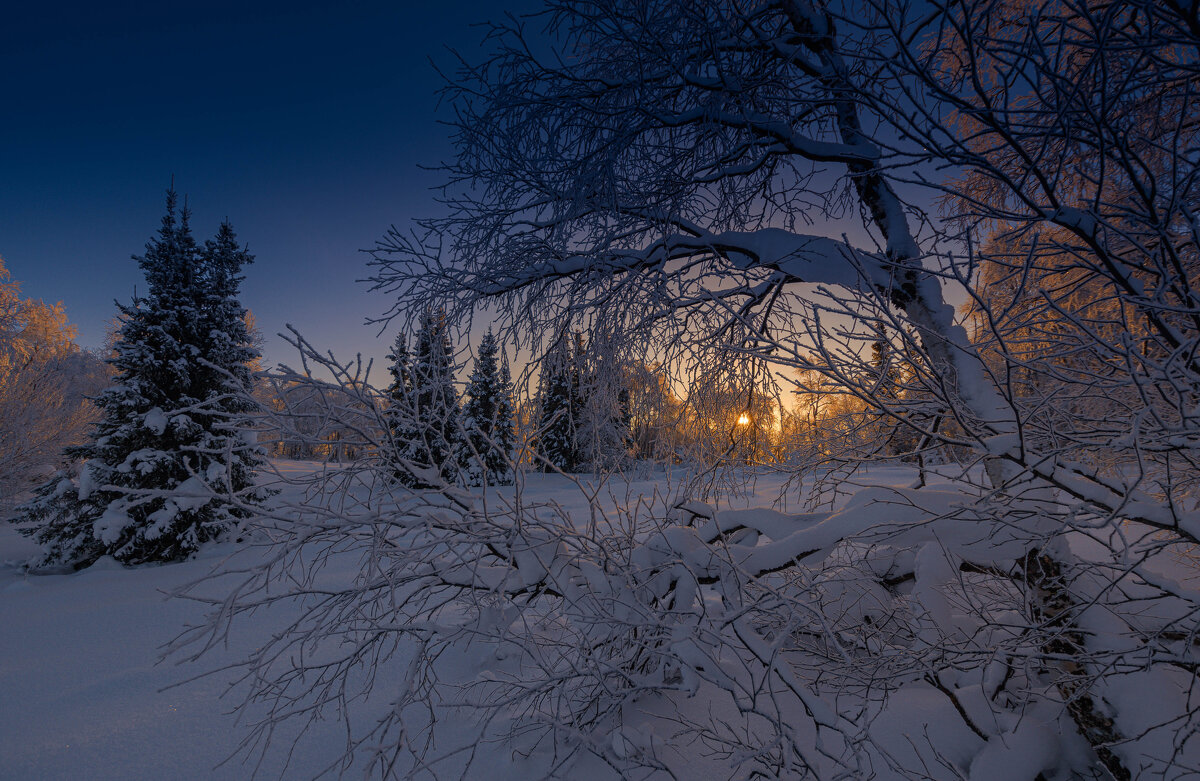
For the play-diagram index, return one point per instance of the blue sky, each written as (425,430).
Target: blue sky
(304,123)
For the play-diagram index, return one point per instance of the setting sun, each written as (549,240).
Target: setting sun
(744,420)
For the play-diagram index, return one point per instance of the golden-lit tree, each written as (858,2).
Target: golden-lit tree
(656,414)
(45,379)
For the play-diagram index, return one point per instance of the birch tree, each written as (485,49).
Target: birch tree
(782,182)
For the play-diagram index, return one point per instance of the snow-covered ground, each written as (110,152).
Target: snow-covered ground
(84,692)
(84,695)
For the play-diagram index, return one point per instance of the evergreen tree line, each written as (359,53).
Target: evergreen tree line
(435,440)
(173,441)
(585,419)
(583,416)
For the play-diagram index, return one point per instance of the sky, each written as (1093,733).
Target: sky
(303,123)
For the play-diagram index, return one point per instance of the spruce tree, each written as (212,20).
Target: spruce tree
(401,414)
(427,426)
(585,412)
(560,393)
(488,419)
(506,411)
(172,424)
(400,369)
(227,355)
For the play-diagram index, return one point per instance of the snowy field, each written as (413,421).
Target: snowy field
(87,695)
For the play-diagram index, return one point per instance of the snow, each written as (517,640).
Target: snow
(917,718)
(81,685)
(1026,750)
(111,523)
(1143,698)
(811,258)
(84,692)
(86,483)
(156,421)
(86,695)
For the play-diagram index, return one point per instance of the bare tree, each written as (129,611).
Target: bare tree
(649,169)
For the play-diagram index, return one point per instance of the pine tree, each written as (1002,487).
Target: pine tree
(228,353)
(426,425)
(506,411)
(400,369)
(488,419)
(561,398)
(172,424)
(401,414)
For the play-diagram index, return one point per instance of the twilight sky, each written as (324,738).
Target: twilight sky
(302,122)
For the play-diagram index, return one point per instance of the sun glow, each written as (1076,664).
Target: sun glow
(744,420)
